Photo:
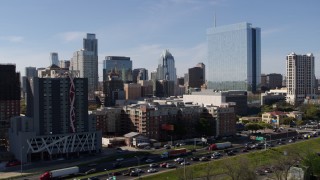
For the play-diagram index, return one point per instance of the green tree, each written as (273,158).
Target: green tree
(312,161)
(310,111)
(252,126)
(204,127)
(288,120)
(265,125)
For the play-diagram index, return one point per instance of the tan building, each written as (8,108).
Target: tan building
(132,91)
(274,118)
(250,119)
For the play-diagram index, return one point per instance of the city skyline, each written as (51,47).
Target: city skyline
(142,29)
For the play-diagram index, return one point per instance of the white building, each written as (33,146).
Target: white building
(300,77)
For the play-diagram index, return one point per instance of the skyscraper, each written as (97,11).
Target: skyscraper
(91,43)
(9,98)
(139,74)
(166,68)
(300,77)
(196,76)
(234,57)
(54,59)
(120,65)
(86,61)
(64,64)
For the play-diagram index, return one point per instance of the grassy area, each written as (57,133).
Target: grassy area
(256,159)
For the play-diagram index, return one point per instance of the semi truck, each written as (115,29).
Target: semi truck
(223,145)
(58,173)
(174,153)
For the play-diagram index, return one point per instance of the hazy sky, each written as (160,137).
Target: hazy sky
(142,29)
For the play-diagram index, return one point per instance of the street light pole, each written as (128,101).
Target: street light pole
(21,159)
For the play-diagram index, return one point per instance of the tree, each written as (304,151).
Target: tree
(204,127)
(252,126)
(312,161)
(310,111)
(239,169)
(288,120)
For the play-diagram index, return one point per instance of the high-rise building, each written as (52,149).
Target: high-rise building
(9,98)
(57,122)
(113,89)
(139,74)
(29,72)
(234,57)
(166,67)
(91,43)
(300,77)
(54,59)
(274,80)
(86,61)
(65,64)
(120,64)
(196,76)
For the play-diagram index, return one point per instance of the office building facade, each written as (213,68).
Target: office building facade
(234,57)
(86,61)
(196,76)
(300,79)
(54,59)
(119,64)
(9,98)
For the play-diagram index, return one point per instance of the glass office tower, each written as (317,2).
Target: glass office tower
(234,57)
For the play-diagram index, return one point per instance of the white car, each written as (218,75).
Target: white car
(179,160)
(152,170)
(149,160)
(185,163)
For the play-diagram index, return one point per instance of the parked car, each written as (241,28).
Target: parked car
(90,171)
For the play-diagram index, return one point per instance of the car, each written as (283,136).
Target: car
(133,173)
(152,170)
(194,159)
(204,159)
(185,163)
(92,165)
(245,150)
(13,163)
(149,160)
(217,154)
(230,153)
(179,160)
(170,165)
(90,171)
(138,170)
(153,165)
(215,157)
(163,165)
(117,173)
(120,159)
(93,178)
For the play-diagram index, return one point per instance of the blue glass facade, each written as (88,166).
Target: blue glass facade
(234,57)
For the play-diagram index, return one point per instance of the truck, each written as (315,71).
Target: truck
(58,173)
(223,145)
(174,153)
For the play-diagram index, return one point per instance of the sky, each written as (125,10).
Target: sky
(142,29)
